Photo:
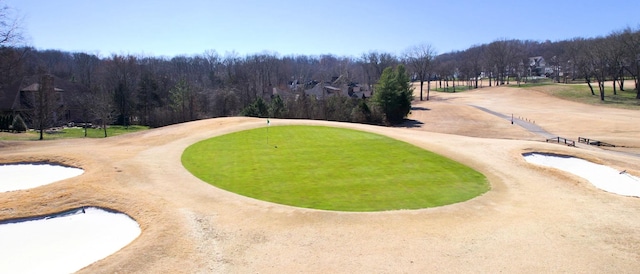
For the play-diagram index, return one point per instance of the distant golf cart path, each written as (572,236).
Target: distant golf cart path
(537,114)
(531,127)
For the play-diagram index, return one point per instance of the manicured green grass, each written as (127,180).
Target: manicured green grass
(99,133)
(75,132)
(581,93)
(332,169)
(459,88)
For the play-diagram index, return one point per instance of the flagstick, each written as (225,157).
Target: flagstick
(267,131)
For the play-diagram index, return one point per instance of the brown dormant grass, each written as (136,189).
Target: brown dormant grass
(534,219)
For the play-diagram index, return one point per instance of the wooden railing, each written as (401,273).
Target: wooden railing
(560,140)
(594,142)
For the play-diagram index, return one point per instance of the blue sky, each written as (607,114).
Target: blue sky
(311,27)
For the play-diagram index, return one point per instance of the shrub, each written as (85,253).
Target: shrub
(18,124)
(5,122)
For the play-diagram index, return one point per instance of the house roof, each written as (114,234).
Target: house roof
(332,88)
(9,93)
(36,87)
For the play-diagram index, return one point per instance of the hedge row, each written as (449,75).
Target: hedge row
(10,122)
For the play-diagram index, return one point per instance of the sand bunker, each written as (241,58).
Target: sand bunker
(63,243)
(602,177)
(25,176)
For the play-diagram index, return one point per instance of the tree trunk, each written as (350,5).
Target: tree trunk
(637,78)
(621,79)
(41,114)
(421,84)
(637,87)
(586,78)
(454,85)
(428,86)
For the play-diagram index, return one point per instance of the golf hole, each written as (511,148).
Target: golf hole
(602,177)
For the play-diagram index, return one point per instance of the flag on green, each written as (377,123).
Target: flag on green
(267,121)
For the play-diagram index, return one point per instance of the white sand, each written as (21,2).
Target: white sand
(602,177)
(25,176)
(64,244)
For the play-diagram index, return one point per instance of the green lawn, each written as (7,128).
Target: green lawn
(581,93)
(459,88)
(75,132)
(332,169)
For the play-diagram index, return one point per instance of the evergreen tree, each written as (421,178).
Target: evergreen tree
(393,94)
(256,109)
(277,107)
(18,124)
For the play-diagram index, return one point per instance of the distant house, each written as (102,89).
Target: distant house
(323,90)
(340,86)
(359,91)
(537,66)
(23,99)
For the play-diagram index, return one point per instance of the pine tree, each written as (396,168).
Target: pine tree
(393,94)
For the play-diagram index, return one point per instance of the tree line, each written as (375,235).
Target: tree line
(614,57)
(158,91)
(130,89)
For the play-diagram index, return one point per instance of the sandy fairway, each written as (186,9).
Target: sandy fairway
(534,219)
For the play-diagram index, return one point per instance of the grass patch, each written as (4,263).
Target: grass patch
(76,132)
(581,93)
(460,88)
(331,169)
(532,84)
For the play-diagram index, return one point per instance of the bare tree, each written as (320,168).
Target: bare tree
(630,40)
(615,60)
(580,52)
(500,55)
(374,63)
(122,76)
(84,67)
(600,57)
(10,27)
(11,59)
(419,59)
(226,103)
(446,68)
(182,100)
(44,104)
(103,107)
(473,59)
(148,96)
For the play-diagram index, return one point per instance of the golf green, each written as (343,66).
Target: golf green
(332,169)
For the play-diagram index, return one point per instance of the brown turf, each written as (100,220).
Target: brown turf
(534,219)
